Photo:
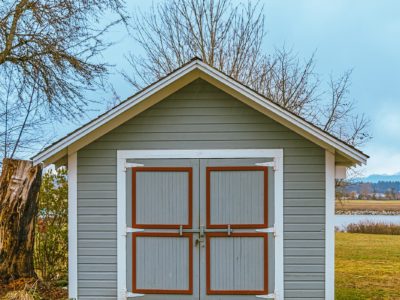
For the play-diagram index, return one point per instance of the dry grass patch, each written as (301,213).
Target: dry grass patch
(31,289)
(368,205)
(370,227)
(18,295)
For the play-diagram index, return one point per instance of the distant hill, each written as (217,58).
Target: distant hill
(376,186)
(375,178)
(380,187)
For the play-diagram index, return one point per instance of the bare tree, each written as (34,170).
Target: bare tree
(289,82)
(48,62)
(48,53)
(338,115)
(21,122)
(19,187)
(229,38)
(225,36)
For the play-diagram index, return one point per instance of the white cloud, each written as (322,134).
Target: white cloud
(384,149)
(383,161)
(387,122)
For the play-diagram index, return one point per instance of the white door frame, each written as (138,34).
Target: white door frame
(124,155)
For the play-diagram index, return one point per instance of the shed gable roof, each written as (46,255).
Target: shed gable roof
(174,81)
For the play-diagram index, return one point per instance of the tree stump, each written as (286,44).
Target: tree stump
(19,186)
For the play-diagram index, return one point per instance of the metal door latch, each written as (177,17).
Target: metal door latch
(199,242)
(202,230)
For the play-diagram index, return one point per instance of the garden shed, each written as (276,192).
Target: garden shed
(199,188)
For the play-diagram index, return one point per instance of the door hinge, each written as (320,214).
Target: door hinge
(132,295)
(131,165)
(268,230)
(132,230)
(272,164)
(268,296)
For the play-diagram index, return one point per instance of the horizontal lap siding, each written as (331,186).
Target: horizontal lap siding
(304,223)
(202,117)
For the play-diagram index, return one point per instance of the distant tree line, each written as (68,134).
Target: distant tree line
(387,190)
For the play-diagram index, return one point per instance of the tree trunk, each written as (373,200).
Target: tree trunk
(19,186)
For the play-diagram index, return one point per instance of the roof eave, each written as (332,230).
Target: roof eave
(271,109)
(63,143)
(353,154)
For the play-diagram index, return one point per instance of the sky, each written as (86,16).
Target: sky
(360,35)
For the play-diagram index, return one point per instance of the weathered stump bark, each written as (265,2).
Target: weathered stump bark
(19,186)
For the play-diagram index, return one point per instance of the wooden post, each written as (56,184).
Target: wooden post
(19,186)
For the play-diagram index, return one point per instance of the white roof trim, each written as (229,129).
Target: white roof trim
(279,111)
(275,109)
(91,126)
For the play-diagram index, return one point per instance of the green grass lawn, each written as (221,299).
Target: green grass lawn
(367,266)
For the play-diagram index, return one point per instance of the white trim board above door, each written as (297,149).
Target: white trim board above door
(123,155)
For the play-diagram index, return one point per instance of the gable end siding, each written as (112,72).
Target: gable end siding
(201,116)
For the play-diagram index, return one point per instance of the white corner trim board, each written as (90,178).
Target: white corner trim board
(329,226)
(124,155)
(72,227)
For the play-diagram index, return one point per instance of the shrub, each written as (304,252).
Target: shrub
(51,240)
(374,228)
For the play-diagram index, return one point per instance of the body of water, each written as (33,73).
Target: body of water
(344,220)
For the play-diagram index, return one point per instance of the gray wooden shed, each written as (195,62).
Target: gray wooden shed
(198,188)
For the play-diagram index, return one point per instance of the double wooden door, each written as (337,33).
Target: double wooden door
(200,229)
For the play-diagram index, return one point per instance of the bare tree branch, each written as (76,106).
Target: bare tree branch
(48,63)
(229,38)
(339,117)
(225,36)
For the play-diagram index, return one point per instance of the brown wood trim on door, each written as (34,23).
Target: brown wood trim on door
(189,170)
(208,196)
(208,264)
(189,236)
